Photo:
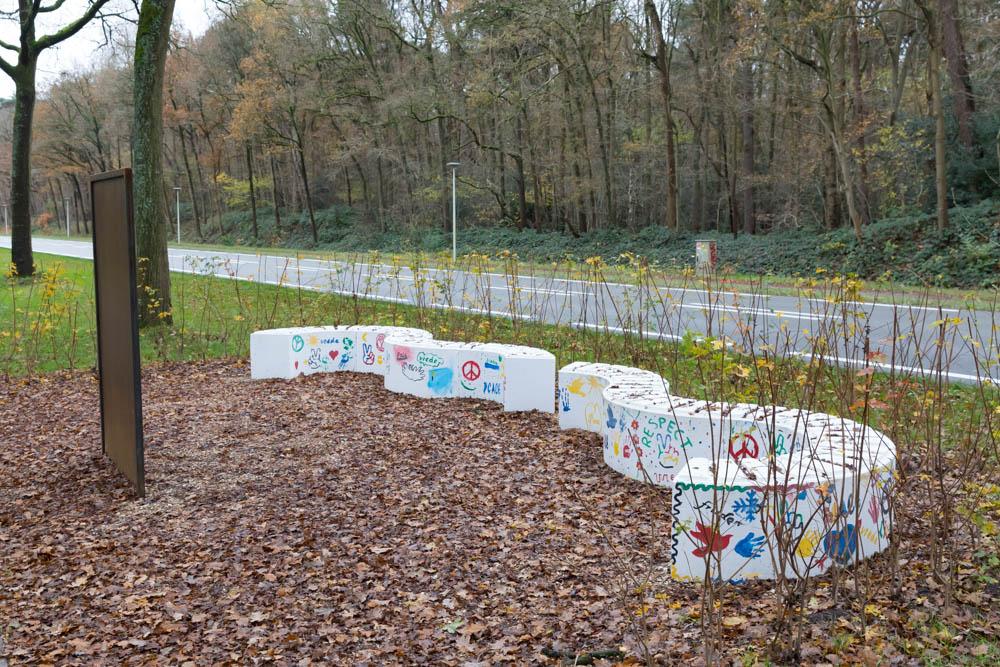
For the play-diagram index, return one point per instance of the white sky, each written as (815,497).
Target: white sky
(83,49)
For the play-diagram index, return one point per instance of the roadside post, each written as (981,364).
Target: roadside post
(706,256)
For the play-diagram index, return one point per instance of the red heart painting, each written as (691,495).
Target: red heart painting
(333,354)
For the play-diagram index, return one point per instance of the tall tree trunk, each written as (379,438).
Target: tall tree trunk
(151,40)
(253,192)
(20,170)
(203,191)
(536,185)
(84,214)
(190,180)
(940,154)
(274,195)
(843,161)
(698,202)
(501,168)
(522,200)
(958,71)
(60,223)
(443,165)
(831,203)
(380,192)
(864,207)
(747,159)
(304,173)
(663,61)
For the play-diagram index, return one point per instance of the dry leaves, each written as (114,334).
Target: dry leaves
(325,520)
(308,520)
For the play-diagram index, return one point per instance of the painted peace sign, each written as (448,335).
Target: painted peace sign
(748,447)
(471,371)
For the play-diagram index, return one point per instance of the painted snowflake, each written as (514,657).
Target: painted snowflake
(748,507)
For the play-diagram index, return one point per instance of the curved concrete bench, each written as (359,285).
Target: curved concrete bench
(521,378)
(286,353)
(756,490)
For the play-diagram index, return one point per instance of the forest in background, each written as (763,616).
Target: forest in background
(306,122)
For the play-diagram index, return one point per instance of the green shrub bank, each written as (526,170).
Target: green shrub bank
(907,249)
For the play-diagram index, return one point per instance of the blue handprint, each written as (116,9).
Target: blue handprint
(750,546)
(611,419)
(564,399)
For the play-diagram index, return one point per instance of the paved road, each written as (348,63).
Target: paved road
(905,336)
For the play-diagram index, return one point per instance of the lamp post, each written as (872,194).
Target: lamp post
(454,211)
(177,207)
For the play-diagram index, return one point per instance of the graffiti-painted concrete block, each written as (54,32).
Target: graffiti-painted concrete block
(423,368)
(581,391)
(369,345)
(529,377)
(802,514)
(286,353)
(739,472)
(520,378)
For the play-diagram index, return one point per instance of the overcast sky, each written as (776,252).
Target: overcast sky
(83,49)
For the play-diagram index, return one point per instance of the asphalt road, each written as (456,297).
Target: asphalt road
(902,337)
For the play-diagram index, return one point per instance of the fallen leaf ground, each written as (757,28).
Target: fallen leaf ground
(327,521)
(321,519)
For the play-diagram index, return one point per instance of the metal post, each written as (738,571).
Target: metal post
(6,222)
(177,206)
(66,210)
(454,212)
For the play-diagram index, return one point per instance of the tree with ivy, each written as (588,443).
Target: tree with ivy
(22,68)
(151,40)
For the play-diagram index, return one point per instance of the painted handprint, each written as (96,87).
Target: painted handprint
(750,546)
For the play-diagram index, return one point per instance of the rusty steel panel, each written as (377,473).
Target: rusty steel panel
(117,324)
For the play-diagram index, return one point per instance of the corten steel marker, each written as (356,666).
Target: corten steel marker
(118,324)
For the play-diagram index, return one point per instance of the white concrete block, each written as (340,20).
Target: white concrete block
(528,376)
(421,367)
(726,515)
(286,353)
(738,471)
(370,353)
(520,378)
(581,388)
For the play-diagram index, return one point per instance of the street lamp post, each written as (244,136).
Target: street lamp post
(454,211)
(177,207)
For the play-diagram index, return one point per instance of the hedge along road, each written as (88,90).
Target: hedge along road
(786,322)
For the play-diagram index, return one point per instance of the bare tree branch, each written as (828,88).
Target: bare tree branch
(71,29)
